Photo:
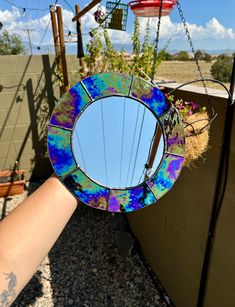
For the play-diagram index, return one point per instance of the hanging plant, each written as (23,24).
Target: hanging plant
(196,127)
(94,57)
(136,46)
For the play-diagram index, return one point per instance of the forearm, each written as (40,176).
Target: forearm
(29,232)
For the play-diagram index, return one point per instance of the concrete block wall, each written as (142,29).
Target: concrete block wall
(173,233)
(28,93)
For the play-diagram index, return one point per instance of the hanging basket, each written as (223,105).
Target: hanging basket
(117,19)
(196,144)
(151,8)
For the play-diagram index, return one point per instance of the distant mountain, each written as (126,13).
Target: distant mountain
(72,49)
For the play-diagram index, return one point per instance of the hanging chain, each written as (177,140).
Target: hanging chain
(191,43)
(213,114)
(157,42)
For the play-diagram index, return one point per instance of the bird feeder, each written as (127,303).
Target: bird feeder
(151,8)
(117,16)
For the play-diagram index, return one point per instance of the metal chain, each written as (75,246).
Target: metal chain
(213,114)
(191,43)
(156,42)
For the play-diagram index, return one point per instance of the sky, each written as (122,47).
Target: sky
(125,159)
(211,24)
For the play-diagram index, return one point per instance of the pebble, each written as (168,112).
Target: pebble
(90,265)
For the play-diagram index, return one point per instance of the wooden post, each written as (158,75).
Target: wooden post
(54,27)
(86,9)
(156,140)
(62,48)
(56,42)
(80,52)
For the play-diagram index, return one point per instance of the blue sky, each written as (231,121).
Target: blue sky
(211,24)
(122,170)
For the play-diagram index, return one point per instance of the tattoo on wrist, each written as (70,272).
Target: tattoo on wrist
(6,296)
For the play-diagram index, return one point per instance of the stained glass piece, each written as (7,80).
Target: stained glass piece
(86,190)
(107,84)
(60,151)
(130,199)
(150,95)
(162,181)
(174,132)
(69,107)
(91,193)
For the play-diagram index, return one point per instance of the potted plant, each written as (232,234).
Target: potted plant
(12,182)
(196,126)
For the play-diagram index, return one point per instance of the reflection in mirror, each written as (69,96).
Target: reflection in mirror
(112,140)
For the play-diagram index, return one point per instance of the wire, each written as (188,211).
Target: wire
(69,6)
(156,42)
(80,148)
(26,8)
(138,145)
(132,146)
(213,115)
(44,34)
(200,80)
(45,31)
(123,128)
(105,155)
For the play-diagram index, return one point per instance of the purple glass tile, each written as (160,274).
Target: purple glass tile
(69,106)
(166,175)
(150,95)
(60,152)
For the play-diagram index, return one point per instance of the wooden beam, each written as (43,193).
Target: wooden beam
(154,148)
(80,51)
(86,9)
(62,48)
(56,42)
(54,27)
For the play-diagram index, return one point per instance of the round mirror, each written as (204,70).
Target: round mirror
(112,140)
(116,142)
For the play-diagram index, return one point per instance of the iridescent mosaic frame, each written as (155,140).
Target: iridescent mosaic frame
(61,129)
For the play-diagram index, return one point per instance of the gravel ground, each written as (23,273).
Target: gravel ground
(95,262)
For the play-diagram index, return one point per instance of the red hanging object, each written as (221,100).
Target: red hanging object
(151,8)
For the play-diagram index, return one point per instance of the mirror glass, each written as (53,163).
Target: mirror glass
(112,140)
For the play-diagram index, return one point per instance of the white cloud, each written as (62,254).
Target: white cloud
(8,17)
(212,30)
(210,35)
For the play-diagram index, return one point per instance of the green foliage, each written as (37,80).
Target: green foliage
(122,64)
(136,45)
(186,108)
(199,55)
(105,58)
(11,44)
(222,68)
(114,61)
(94,57)
(110,54)
(207,57)
(146,58)
(203,56)
(183,56)
(165,56)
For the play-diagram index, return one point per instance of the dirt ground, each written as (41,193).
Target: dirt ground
(183,71)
